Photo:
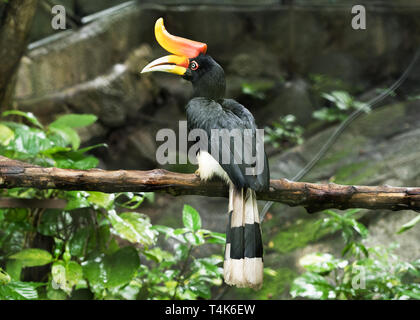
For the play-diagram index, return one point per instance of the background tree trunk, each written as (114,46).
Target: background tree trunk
(15,23)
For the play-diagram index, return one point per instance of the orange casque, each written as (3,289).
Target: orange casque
(177,45)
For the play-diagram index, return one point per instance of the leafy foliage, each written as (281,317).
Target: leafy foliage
(257,89)
(184,275)
(341,103)
(284,132)
(362,273)
(409,224)
(57,145)
(100,246)
(323,83)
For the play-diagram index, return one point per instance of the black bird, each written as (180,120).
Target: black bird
(208,110)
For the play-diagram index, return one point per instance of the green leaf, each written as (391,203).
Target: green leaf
(94,272)
(133,226)
(86,163)
(179,231)
(412,294)
(200,289)
(27,115)
(167,231)
(16,290)
(68,134)
(181,251)
(158,255)
(191,218)
(4,278)
(341,99)
(361,229)
(32,257)
(257,88)
(14,269)
(134,200)
(210,265)
(16,214)
(321,262)
(194,238)
(409,224)
(58,272)
(77,200)
(83,150)
(78,242)
(215,237)
(112,270)
(54,150)
(313,286)
(6,135)
(121,266)
(55,294)
(66,276)
(112,247)
(103,200)
(74,121)
(29,141)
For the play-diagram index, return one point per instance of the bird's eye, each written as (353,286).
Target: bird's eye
(194,65)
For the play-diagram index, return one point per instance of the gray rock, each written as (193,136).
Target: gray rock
(96,132)
(253,60)
(293,98)
(141,149)
(113,97)
(73,57)
(339,67)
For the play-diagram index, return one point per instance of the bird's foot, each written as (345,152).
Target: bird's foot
(197,173)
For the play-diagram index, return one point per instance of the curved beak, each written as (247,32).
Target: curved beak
(171,63)
(182,49)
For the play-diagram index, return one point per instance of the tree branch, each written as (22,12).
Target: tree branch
(314,197)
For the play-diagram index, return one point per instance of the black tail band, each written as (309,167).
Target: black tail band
(245,241)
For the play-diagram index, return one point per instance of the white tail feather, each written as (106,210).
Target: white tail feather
(247,271)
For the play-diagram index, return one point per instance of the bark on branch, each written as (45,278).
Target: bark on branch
(314,197)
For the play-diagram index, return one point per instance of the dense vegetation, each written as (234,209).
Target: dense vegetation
(99,246)
(361,272)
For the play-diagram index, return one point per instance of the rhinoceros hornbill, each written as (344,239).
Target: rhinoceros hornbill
(208,110)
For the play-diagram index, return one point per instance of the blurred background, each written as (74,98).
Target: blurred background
(300,68)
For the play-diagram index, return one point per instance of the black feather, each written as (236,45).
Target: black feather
(208,114)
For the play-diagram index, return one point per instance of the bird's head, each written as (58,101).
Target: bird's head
(189,60)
